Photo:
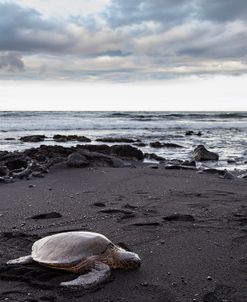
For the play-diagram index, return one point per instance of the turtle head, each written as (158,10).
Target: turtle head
(126,260)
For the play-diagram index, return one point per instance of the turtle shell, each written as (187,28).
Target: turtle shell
(69,248)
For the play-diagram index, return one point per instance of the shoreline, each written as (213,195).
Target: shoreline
(182,259)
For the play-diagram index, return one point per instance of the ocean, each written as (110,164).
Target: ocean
(221,132)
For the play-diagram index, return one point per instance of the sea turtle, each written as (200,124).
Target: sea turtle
(91,255)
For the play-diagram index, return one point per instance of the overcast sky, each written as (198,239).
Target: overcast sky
(186,53)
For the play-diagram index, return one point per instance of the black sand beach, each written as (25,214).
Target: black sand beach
(198,254)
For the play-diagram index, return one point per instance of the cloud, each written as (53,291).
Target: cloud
(129,40)
(25,30)
(167,12)
(170,12)
(63,8)
(222,10)
(11,62)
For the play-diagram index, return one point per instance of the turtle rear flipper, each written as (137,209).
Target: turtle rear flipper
(22,260)
(98,274)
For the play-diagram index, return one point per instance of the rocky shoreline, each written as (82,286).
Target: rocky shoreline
(36,162)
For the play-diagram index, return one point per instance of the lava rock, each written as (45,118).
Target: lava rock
(9,139)
(140,144)
(228,175)
(33,138)
(60,138)
(153,156)
(190,132)
(202,154)
(4,171)
(127,151)
(16,164)
(76,160)
(66,138)
(164,145)
(83,139)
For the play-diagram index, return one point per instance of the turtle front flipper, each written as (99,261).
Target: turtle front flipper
(98,274)
(22,260)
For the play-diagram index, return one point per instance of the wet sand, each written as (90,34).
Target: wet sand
(199,254)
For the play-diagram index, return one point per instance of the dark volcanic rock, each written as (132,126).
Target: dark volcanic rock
(83,139)
(4,171)
(154,156)
(140,144)
(60,138)
(37,161)
(76,160)
(33,138)
(127,151)
(66,138)
(164,145)
(179,167)
(190,132)
(202,154)
(189,163)
(179,217)
(228,175)
(156,145)
(9,139)
(16,164)
(115,140)
(171,145)
(3,153)
(214,171)
(22,174)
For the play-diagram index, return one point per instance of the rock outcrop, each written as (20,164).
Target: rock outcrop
(37,161)
(202,154)
(33,138)
(164,145)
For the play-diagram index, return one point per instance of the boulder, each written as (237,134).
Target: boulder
(4,171)
(164,145)
(76,160)
(60,138)
(140,144)
(3,153)
(153,156)
(67,138)
(190,132)
(33,138)
(156,145)
(16,164)
(83,139)
(9,139)
(127,151)
(202,154)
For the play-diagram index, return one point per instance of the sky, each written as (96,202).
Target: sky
(123,54)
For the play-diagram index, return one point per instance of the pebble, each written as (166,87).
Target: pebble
(145,284)
(162,241)
(1,215)
(31,186)
(209,278)
(174,284)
